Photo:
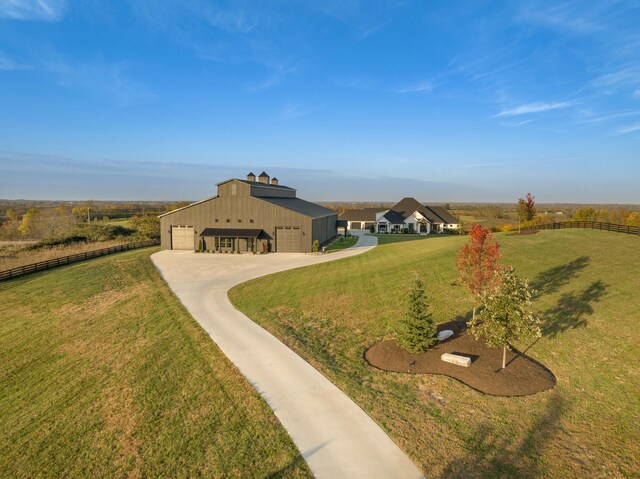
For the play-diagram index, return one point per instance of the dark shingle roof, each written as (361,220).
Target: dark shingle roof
(394,217)
(360,214)
(444,214)
(299,206)
(263,175)
(231,232)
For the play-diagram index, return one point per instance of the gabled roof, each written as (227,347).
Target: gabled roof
(407,206)
(444,214)
(360,214)
(263,175)
(299,206)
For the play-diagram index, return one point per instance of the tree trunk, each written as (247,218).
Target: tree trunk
(474,314)
(504,356)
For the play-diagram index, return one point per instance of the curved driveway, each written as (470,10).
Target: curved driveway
(335,436)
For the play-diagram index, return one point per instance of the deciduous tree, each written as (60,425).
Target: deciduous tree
(417,332)
(506,315)
(477,262)
(526,209)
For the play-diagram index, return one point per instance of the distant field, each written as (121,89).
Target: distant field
(587,426)
(104,374)
(12,256)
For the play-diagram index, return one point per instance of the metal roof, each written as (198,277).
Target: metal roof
(231,232)
(257,183)
(299,206)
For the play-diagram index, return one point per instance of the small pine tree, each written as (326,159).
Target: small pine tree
(200,246)
(417,332)
(316,246)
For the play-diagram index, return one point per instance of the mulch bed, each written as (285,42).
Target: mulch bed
(525,232)
(522,377)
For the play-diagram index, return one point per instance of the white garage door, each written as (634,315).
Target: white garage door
(182,237)
(288,240)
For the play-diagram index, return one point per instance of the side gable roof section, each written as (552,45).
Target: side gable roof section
(360,214)
(445,215)
(298,205)
(188,206)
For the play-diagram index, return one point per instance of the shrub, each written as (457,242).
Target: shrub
(372,229)
(316,246)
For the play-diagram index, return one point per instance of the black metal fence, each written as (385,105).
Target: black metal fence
(74,258)
(594,225)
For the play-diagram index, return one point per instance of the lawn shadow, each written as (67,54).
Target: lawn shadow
(553,279)
(571,309)
(490,453)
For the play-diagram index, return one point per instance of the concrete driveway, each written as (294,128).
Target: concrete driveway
(335,436)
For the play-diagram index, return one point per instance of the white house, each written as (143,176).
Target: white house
(408,214)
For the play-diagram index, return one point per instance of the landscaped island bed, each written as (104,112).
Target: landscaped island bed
(103,373)
(522,377)
(586,426)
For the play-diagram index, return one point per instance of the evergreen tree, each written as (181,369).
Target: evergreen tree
(417,332)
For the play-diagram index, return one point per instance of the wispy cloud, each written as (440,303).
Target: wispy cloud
(33,10)
(534,108)
(294,110)
(7,63)
(628,129)
(517,162)
(111,79)
(423,86)
(604,118)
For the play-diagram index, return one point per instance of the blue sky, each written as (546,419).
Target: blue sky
(345,100)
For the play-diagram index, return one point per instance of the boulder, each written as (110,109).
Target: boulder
(456,359)
(444,334)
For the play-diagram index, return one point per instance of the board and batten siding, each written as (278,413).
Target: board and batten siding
(239,211)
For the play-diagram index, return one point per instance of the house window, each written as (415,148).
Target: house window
(216,220)
(228,220)
(250,221)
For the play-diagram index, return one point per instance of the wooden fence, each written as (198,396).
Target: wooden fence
(594,225)
(74,258)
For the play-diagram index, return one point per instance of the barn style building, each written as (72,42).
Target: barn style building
(252,215)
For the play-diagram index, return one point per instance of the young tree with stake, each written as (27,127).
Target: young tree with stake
(506,314)
(417,332)
(478,262)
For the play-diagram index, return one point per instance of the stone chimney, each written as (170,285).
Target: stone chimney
(274,181)
(251,176)
(263,178)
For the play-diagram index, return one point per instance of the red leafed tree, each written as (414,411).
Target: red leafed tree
(477,262)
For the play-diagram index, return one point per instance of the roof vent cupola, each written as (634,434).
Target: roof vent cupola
(274,181)
(263,178)
(251,176)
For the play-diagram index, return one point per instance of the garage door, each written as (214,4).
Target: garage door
(356,225)
(288,240)
(182,237)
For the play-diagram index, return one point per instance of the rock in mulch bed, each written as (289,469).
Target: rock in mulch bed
(522,377)
(524,233)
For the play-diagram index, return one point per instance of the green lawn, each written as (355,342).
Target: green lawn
(103,373)
(341,243)
(589,283)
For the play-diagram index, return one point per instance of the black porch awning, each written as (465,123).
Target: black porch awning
(231,232)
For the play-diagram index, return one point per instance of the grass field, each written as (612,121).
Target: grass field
(103,373)
(587,426)
(341,243)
